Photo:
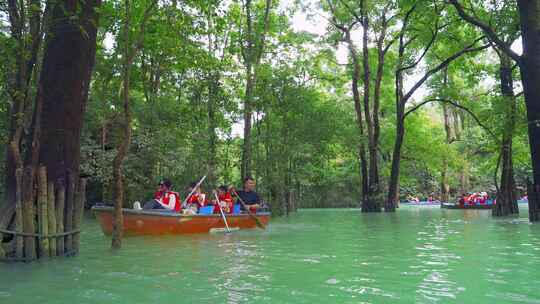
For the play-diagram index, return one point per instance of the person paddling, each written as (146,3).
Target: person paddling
(164,198)
(251,198)
(197,199)
(224,200)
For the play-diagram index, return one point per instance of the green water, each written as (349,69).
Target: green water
(418,255)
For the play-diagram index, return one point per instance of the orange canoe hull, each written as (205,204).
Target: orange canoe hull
(143,222)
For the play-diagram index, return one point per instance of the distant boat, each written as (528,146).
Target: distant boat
(422,203)
(145,222)
(455,206)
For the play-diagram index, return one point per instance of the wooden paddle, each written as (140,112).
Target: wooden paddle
(222,213)
(257,221)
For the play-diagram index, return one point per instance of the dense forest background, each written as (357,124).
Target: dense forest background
(234,88)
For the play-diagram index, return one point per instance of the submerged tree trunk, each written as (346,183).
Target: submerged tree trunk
(393,185)
(506,196)
(445,187)
(27,35)
(366,207)
(129,55)
(529,11)
(374,179)
(370,202)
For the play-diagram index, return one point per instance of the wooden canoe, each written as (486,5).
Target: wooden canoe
(477,207)
(145,222)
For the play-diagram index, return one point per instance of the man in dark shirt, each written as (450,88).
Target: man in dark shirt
(249,196)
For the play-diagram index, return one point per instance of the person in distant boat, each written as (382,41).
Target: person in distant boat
(462,200)
(164,198)
(225,200)
(251,198)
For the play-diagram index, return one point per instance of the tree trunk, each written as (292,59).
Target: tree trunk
(212,137)
(364,174)
(506,196)
(19,240)
(52,216)
(118,177)
(65,78)
(246,148)
(529,11)
(252,54)
(371,203)
(29,212)
(60,206)
(27,35)
(374,181)
(464,177)
(43,217)
(129,54)
(68,212)
(445,188)
(393,185)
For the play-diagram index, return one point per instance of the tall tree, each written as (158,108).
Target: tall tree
(407,36)
(130,51)
(252,49)
(529,16)
(345,27)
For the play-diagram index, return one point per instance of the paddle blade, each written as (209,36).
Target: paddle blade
(223,230)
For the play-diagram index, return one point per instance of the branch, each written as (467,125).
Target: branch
(355,15)
(442,65)
(265,30)
(426,49)
(488,31)
(475,118)
(140,39)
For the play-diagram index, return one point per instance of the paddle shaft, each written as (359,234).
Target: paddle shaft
(193,191)
(249,211)
(222,213)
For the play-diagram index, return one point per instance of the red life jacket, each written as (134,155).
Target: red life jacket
(178,203)
(226,197)
(194,199)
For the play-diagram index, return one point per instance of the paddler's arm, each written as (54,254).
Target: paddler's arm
(172,201)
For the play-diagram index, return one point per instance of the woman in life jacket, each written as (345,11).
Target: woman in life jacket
(164,198)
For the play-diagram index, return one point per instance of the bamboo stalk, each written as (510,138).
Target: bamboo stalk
(80,198)
(43,218)
(28,213)
(60,204)
(19,240)
(52,216)
(68,216)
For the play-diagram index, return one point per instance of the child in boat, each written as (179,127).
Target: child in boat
(196,200)
(225,200)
